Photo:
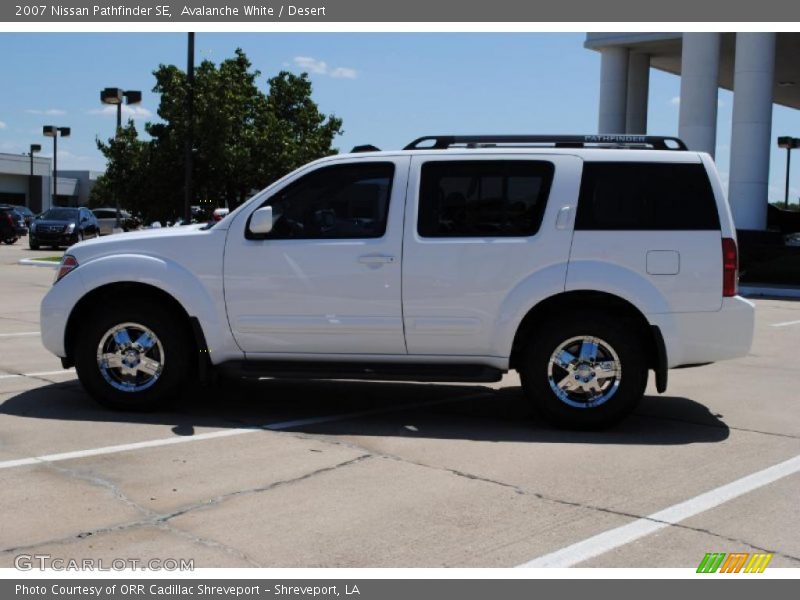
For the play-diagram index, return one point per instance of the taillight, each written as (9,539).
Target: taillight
(730,267)
(68,263)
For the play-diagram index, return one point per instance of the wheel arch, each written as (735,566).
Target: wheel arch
(110,292)
(558,305)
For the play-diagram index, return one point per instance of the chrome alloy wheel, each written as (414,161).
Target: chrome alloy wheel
(584,372)
(130,357)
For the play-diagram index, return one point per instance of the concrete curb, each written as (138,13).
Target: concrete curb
(33,262)
(757,291)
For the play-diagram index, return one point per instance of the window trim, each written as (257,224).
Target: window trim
(544,194)
(296,181)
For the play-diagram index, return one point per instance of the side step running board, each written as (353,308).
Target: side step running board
(287,369)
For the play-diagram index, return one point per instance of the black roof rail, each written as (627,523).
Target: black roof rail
(601,140)
(364,148)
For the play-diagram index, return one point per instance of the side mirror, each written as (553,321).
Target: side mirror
(261,221)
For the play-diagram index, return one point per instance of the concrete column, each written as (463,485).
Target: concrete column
(638,91)
(753,81)
(697,123)
(613,89)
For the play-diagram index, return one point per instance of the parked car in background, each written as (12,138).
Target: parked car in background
(26,212)
(107,219)
(12,224)
(220,213)
(63,226)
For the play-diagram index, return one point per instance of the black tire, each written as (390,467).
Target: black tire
(33,245)
(10,240)
(175,342)
(617,333)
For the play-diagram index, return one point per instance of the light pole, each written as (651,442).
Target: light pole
(789,143)
(34,149)
(189,143)
(117,96)
(53,132)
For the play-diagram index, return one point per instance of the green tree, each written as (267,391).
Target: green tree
(244,139)
(124,177)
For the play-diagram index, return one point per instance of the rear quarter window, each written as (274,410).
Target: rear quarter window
(646,196)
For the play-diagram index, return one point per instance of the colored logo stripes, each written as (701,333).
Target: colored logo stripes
(735,562)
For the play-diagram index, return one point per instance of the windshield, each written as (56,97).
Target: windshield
(60,214)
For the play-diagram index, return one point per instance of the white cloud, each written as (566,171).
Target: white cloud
(320,67)
(135,111)
(50,112)
(3,125)
(312,65)
(343,73)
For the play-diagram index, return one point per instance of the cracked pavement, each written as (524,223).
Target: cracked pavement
(467,478)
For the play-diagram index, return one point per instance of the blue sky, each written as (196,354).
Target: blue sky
(388,88)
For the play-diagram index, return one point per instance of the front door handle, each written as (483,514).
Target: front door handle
(375,259)
(562,220)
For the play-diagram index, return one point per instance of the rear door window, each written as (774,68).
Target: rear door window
(483,198)
(646,196)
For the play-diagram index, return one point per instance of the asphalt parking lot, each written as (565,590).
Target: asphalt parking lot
(346,474)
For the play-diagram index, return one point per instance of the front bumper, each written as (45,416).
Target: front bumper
(703,337)
(54,239)
(55,310)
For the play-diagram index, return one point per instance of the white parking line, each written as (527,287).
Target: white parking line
(614,538)
(48,458)
(786,323)
(38,374)
(19,334)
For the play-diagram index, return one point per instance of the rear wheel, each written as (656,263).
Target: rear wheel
(10,240)
(133,358)
(586,371)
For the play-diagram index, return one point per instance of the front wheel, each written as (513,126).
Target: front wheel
(133,358)
(585,371)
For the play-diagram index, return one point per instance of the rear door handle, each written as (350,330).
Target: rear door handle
(375,259)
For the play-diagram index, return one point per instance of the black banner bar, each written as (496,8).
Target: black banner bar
(707,586)
(337,11)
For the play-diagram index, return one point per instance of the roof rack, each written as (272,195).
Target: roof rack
(603,140)
(364,148)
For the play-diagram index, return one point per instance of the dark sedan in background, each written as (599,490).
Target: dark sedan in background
(26,213)
(62,226)
(12,224)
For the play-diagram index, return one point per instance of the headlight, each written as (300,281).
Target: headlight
(70,228)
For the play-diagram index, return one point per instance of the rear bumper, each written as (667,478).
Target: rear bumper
(704,337)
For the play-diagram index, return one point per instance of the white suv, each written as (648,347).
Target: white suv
(582,262)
